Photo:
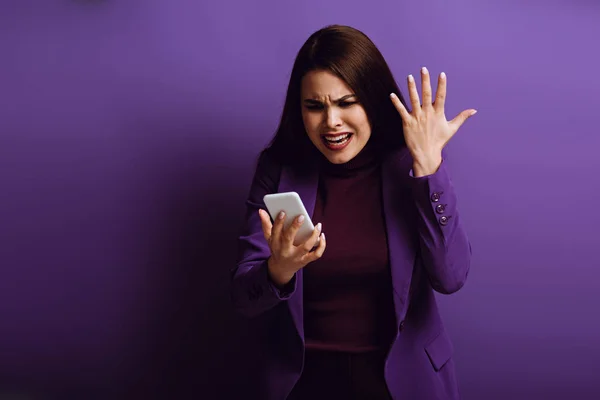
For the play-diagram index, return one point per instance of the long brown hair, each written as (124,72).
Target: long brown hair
(353,57)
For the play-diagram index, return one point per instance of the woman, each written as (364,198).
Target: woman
(353,314)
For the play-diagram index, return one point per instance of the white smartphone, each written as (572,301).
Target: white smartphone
(291,204)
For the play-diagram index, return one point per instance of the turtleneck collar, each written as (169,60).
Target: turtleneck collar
(364,160)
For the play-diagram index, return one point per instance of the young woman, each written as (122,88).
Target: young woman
(351,313)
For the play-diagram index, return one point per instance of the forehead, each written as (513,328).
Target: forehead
(323,85)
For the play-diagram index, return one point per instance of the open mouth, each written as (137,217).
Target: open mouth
(337,142)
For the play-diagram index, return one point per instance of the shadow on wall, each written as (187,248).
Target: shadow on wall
(192,343)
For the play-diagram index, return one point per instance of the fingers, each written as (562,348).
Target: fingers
(289,234)
(266,224)
(426,87)
(414,95)
(312,240)
(400,107)
(315,255)
(440,94)
(460,119)
(416,104)
(276,231)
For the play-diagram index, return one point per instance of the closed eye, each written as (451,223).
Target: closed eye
(314,106)
(342,104)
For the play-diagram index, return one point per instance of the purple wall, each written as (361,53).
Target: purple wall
(128,133)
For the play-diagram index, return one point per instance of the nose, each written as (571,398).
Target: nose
(332,118)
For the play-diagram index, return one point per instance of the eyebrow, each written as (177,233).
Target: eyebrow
(346,97)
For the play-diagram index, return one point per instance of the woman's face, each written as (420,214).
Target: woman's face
(335,121)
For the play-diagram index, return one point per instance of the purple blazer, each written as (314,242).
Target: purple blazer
(428,250)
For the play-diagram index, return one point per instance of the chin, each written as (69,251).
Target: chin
(339,158)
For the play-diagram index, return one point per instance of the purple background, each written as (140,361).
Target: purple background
(128,135)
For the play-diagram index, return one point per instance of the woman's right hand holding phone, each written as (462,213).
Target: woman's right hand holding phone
(286,259)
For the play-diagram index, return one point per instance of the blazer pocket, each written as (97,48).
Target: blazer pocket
(439,350)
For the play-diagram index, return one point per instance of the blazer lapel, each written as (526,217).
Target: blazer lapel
(305,184)
(398,209)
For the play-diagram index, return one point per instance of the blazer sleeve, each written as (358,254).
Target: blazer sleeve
(252,291)
(444,244)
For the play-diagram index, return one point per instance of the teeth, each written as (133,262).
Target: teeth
(338,139)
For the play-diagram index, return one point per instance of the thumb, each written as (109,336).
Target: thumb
(461,118)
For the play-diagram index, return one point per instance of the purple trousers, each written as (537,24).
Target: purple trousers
(335,375)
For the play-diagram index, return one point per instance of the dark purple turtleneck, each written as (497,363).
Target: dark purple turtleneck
(348,302)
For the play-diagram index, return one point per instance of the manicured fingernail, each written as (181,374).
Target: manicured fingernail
(323,235)
(281,215)
(410,78)
(392,95)
(319,227)
(474,112)
(424,70)
(443,75)
(301,219)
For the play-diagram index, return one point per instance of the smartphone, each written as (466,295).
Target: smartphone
(291,204)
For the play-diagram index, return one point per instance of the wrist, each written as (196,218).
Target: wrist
(279,278)
(426,164)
